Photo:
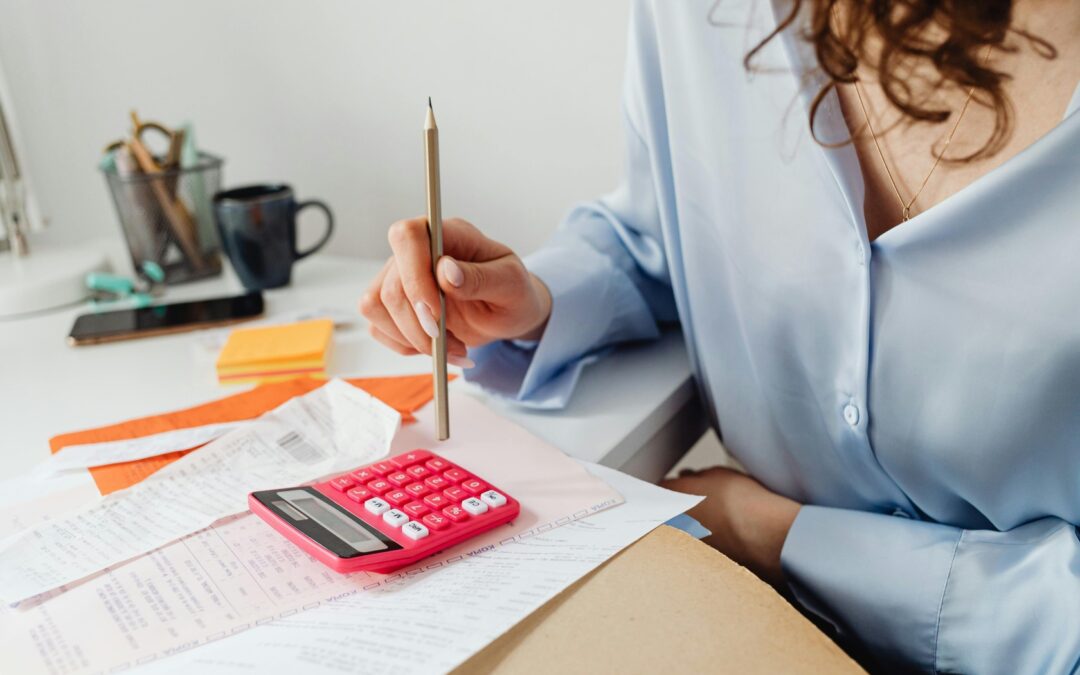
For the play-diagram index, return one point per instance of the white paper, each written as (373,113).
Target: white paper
(240,573)
(88,455)
(330,429)
(432,622)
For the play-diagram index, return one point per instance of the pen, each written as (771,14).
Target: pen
(434,218)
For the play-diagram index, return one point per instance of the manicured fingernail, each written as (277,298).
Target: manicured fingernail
(453,273)
(460,361)
(427,321)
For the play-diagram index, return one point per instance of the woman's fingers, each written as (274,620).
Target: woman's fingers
(391,342)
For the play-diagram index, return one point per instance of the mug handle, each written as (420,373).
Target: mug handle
(297,255)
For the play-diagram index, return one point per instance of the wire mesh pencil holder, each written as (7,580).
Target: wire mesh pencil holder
(168,218)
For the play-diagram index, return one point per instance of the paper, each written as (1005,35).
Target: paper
(114,452)
(214,339)
(240,573)
(432,622)
(406,394)
(333,428)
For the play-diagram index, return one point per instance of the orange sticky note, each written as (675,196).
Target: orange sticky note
(405,394)
(273,353)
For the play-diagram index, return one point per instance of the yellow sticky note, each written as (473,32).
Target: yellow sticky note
(275,352)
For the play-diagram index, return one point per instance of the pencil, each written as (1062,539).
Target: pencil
(434,218)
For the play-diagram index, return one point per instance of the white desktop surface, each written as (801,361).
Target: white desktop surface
(635,410)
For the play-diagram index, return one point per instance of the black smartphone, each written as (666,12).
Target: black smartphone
(128,324)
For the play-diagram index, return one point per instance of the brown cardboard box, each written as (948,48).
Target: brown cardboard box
(667,604)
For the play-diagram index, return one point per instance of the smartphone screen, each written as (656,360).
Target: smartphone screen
(126,324)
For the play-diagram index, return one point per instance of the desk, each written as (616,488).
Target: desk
(636,410)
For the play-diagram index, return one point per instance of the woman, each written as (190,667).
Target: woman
(890,344)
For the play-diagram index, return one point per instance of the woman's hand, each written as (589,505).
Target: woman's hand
(749,523)
(489,293)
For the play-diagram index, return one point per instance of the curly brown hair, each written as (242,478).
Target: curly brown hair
(953,35)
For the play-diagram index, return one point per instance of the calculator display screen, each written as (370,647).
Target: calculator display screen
(349,531)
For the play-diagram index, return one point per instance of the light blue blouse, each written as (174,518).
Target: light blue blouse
(920,394)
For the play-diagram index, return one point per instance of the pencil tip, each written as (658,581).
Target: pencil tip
(429,102)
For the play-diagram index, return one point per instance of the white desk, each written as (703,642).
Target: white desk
(636,410)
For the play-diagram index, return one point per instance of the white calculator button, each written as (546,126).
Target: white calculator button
(414,530)
(395,518)
(474,506)
(492,498)
(376,505)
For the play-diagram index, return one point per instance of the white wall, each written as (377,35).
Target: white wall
(329,95)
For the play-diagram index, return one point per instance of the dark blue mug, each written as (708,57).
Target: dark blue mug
(257,224)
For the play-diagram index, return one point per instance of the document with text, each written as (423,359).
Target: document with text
(330,429)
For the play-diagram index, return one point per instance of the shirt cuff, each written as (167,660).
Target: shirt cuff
(593,305)
(876,577)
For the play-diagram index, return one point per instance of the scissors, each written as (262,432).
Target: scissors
(181,227)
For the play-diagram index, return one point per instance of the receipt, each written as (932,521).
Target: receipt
(330,429)
(89,455)
(392,628)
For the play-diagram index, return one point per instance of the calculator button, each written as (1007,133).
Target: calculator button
(455,513)
(395,518)
(436,501)
(417,489)
(492,498)
(415,509)
(376,506)
(455,475)
(382,468)
(455,494)
(437,482)
(342,483)
(379,486)
(438,464)
(359,494)
(364,475)
(397,497)
(474,506)
(417,472)
(399,478)
(414,530)
(410,458)
(436,521)
(474,487)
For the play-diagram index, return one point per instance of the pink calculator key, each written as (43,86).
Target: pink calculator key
(436,521)
(383,468)
(456,494)
(455,513)
(474,487)
(438,464)
(417,472)
(359,494)
(417,489)
(342,483)
(397,497)
(436,501)
(410,458)
(399,478)
(364,475)
(415,509)
(437,483)
(379,486)
(455,475)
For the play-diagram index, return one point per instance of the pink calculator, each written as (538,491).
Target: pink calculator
(386,515)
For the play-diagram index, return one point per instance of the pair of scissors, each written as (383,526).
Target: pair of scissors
(177,217)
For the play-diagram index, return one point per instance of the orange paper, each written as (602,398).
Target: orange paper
(404,394)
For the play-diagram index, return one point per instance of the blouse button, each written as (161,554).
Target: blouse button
(851,414)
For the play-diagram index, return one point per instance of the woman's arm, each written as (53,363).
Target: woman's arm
(940,598)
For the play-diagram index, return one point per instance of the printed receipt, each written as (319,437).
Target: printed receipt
(330,429)
(477,601)
(239,573)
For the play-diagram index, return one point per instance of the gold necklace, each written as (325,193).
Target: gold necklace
(948,139)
